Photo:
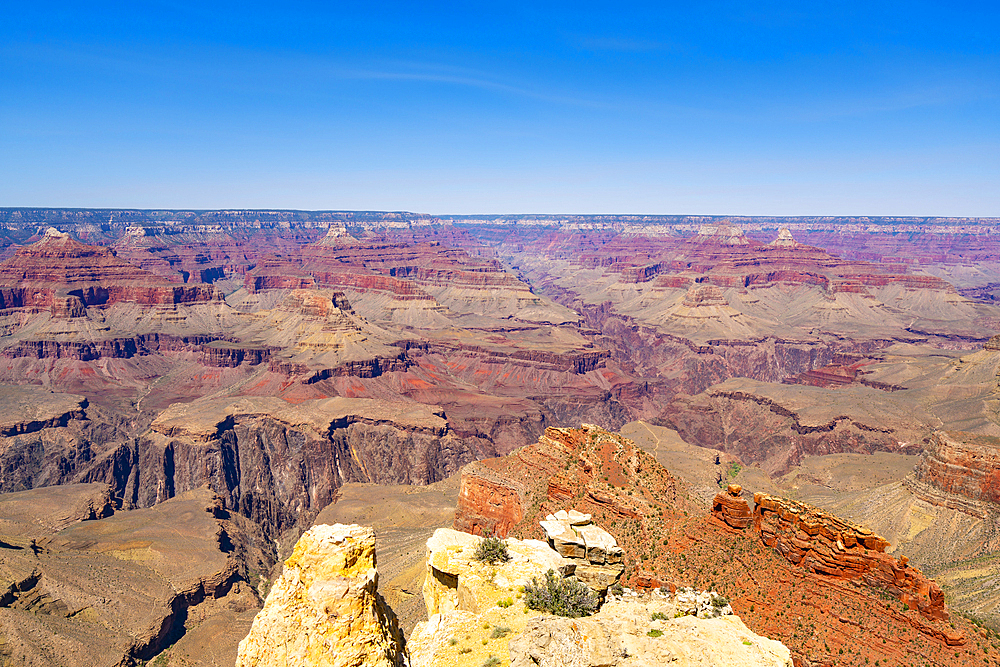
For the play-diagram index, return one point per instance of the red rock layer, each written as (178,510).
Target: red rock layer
(488,505)
(828,545)
(962,464)
(64,275)
(730,508)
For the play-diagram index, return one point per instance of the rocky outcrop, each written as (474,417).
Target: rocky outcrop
(325,609)
(962,471)
(813,595)
(829,545)
(577,469)
(595,555)
(476,611)
(730,507)
(455,581)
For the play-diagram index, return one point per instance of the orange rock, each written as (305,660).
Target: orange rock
(826,544)
(730,508)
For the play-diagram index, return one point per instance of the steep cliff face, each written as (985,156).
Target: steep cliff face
(960,470)
(325,609)
(279,464)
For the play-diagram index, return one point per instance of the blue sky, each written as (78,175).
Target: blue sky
(795,108)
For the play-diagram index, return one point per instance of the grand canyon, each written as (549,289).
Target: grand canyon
(800,414)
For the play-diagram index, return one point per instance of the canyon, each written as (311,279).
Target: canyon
(281,360)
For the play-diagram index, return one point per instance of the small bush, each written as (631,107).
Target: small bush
(492,550)
(506,602)
(492,661)
(659,616)
(500,631)
(616,589)
(719,602)
(655,633)
(562,597)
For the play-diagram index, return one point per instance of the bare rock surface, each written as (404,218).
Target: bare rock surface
(624,633)
(109,590)
(325,609)
(594,553)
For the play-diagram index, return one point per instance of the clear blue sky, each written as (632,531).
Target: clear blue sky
(805,108)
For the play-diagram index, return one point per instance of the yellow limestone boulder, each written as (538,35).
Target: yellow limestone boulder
(325,610)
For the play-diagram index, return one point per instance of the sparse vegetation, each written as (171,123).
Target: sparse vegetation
(499,631)
(659,616)
(492,550)
(655,633)
(491,661)
(560,596)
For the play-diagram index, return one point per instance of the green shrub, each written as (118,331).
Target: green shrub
(659,616)
(655,633)
(492,550)
(719,602)
(492,661)
(506,602)
(560,596)
(616,589)
(500,631)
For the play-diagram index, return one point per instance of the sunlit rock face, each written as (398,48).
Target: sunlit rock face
(325,609)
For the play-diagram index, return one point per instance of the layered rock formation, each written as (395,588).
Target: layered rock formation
(829,545)
(960,470)
(775,425)
(582,469)
(731,508)
(594,554)
(66,276)
(325,608)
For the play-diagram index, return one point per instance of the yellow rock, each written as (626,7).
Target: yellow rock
(325,610)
